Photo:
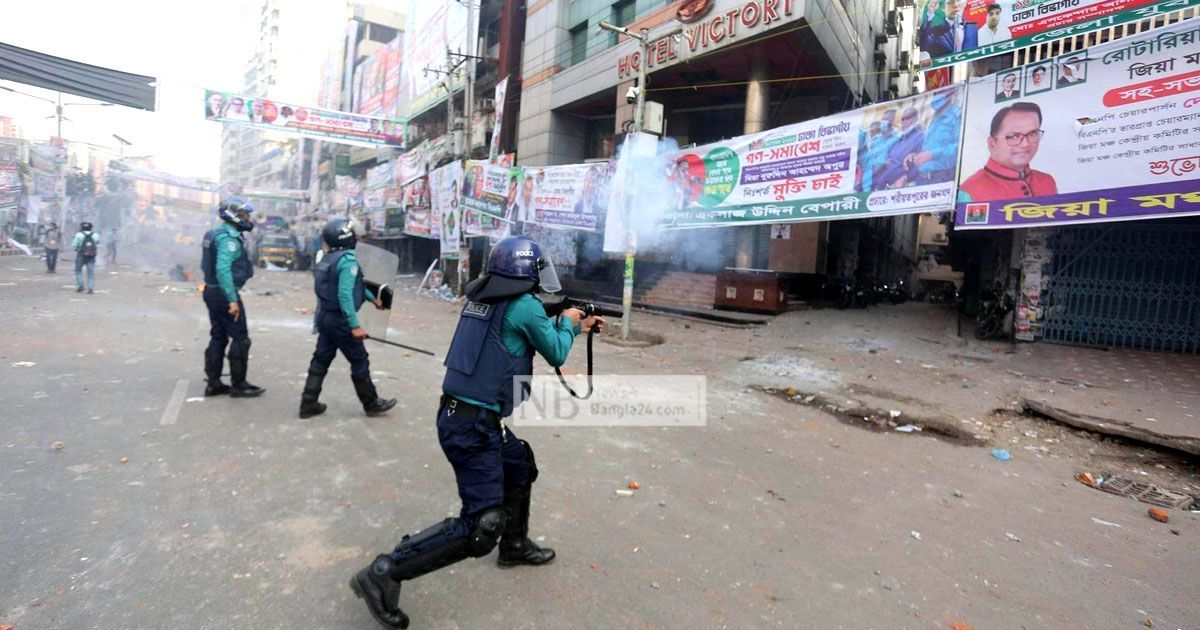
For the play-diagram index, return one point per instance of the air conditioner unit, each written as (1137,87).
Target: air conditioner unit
(880,61)
(487,104)
(891,24)
(880,39)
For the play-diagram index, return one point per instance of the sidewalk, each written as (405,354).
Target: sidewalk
(909,358)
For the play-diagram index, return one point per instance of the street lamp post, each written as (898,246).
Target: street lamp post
(643,38)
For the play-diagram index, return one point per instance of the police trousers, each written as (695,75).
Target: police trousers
(488,461)
(333,334)
(224,331)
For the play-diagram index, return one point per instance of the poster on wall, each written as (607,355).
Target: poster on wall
(567,197)
(444,186)
(1105,134)
(309,122)
(489,189)
(897,157)
(955,31)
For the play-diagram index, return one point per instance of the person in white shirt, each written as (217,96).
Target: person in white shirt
(990,33)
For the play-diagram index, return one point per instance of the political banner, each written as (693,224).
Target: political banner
(897,157)
(1104,134)
(393,58)
(565,197)
(431,28)
(444,186)
(10,184)
(489,189)
(955,31)
(308,122)
(500,96)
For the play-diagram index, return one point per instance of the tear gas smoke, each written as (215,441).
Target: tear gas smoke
(646,186)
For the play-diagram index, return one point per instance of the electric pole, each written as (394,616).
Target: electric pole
(644,42)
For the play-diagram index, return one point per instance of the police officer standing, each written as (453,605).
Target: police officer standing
(226,269)
(501,326)
(338,282)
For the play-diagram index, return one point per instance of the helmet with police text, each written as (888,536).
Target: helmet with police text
(339,234)
(236,212)
(85,226)
(521,258)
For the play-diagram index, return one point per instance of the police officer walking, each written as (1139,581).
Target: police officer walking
(226,269)
(338,282)
(501,326)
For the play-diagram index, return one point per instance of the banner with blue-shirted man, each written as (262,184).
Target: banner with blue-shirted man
(898,157)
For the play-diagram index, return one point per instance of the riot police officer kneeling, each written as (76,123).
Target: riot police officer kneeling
(501,326)
(338,281)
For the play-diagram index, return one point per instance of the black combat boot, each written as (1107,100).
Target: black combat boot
(216,388)
(309,406)
(515,546)
(240,388)
(212,370)
(379,587)
(372,404)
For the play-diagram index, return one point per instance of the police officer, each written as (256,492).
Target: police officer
(340,293)
(226,269)
(501,326)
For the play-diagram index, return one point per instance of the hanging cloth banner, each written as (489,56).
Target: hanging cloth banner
(956,31)
(897,157)
(1103,134)
(308,122)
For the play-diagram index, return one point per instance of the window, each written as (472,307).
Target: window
(623,14)
(382,34)
(579,43)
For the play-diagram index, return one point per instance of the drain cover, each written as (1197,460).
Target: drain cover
(1147,493)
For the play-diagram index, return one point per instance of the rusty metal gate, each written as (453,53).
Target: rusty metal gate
(1126,285)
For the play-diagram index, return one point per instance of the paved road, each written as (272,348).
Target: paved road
(235,514)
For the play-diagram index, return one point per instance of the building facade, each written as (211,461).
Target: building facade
(735,67)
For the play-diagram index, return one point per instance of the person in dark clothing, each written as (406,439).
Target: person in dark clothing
(226,269)
(338,282)
(501,327)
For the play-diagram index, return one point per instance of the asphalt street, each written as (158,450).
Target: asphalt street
(163,509)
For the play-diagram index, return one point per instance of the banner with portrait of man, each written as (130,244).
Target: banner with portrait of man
(954,31)
(1103,134)
(896,157)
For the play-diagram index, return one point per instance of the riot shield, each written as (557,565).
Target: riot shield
(379,268)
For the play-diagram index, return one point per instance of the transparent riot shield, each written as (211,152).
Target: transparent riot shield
(379,269)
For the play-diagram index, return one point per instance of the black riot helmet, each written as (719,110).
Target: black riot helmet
(236,212)
(86,226)
(339,234)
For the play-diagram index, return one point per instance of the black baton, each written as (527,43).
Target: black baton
(400,345)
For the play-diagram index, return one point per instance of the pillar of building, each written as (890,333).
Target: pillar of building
(758,105)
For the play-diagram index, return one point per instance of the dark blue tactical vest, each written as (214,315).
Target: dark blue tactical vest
(478,366)
(241,269)
(325,283)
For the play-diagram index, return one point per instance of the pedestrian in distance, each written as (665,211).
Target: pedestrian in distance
(111,246)
(338,283)
(52,242)
(226,268)
(86,243)
(490,359)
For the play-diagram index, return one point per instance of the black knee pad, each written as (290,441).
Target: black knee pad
(529,459)
(488,528)
(239,348)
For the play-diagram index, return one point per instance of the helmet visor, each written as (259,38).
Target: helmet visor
(548,277)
